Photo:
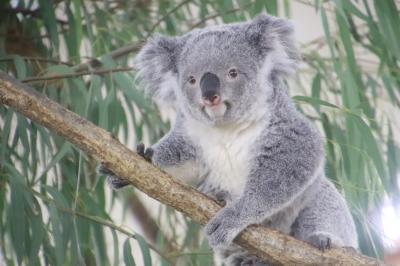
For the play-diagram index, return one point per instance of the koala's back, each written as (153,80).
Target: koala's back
(327,209)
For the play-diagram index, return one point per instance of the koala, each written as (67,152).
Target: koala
(238,137)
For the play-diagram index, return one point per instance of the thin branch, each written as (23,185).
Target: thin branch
(218,14)
(124,50)
(173,10)
(311,4)
(28,12)
(23,11)
(38,59)
(74,75)
(265,243)
(322,40)
(134,47)
(130,48)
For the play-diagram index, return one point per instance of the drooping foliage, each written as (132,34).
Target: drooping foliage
(55,209)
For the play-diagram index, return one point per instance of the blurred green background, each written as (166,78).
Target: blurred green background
(55,209)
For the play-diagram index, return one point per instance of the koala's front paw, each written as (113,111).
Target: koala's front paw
(113,180)
(147,154)
(320,241)
(223,228)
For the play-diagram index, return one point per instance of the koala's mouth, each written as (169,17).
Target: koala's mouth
(216,112)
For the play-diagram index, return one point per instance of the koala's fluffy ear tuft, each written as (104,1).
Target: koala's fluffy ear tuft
(158,68)
(274,37)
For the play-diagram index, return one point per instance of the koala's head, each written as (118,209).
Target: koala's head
(221,74)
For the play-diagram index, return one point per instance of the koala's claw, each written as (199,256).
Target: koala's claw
(140,149)
(245,259)
(116,182)
(147,154)
(249,261)
(113,180)
(223,197)
(320,241)
(101,169)
(222,229)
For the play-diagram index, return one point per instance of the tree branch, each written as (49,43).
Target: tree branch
(134,47)
(36,59)
(36,13)
(163,18)
(130,48)
(261,241)
(78,74)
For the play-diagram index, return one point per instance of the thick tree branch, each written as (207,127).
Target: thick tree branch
(263,242)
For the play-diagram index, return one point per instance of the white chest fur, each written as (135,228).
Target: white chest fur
(225,152)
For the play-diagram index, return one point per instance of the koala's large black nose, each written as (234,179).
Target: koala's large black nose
(210,88)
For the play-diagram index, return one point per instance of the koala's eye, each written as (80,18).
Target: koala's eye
(192,80)
(232,73)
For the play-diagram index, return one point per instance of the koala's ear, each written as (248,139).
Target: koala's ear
(274,37)
(157,65)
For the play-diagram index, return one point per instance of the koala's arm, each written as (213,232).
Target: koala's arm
(173,150)
(284,166)
(176,154)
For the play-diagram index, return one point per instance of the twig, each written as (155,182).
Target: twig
(310,4)
(173,10)
(39,59)
(265,243)
(321,41)
(215,15)
(130,48)
(24,11)
(74,75)
(134,47)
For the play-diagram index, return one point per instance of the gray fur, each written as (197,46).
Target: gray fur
(256,151)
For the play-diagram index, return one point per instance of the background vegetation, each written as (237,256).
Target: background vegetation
(55,209)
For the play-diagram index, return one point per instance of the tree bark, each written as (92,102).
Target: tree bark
(97,142)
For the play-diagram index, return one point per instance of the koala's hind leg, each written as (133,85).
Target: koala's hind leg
(113,180)
(237,256)
(326,221)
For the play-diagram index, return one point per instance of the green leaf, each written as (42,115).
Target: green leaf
(144,247)
(57,234)
(314,101)
(17,219)
(5,134)
(389,22)
(37,236)
(272,7)
(60,69)
(128,258)
(20,66)
(61,153)
(393,157)
(49,19)
(116,248)
(371,145)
